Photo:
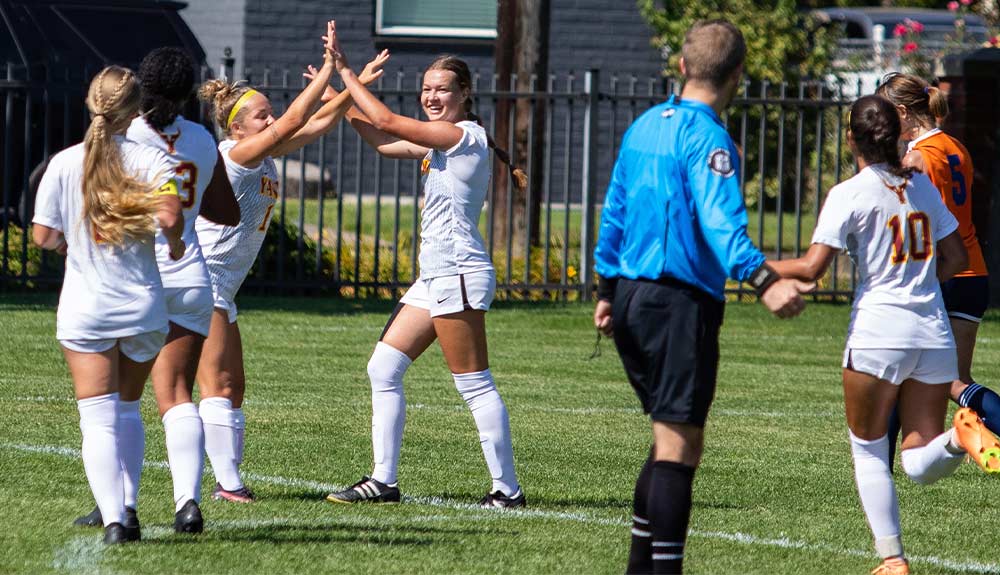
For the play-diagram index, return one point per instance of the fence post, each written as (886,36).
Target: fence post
(588,180)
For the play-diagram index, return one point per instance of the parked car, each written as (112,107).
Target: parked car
(868,47)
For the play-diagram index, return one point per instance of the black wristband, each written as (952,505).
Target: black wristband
(606,288)
(763,278)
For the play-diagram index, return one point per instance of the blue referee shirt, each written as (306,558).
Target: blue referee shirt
(674,206)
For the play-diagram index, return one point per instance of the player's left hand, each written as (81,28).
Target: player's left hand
(310,74)
(373,70)
(602,317)
(177,250)
(333,49)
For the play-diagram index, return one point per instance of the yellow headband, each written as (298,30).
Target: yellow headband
(239,104)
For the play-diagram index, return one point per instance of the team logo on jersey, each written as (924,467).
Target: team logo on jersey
(425,166)
(721,163)
(170,140)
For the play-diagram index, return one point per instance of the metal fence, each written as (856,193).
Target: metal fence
(347,220)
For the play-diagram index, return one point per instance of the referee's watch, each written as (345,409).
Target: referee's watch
(762,278)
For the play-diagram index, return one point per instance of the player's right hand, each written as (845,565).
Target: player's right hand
(784,297)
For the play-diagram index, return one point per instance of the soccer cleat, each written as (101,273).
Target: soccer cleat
(978,441)
(498,500)
(367,489)
(92,519)
(241,495)
(893,566)
(116,533)
(188,519)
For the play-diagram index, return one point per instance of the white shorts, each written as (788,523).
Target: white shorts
(139,348)
(190,308)
(452,294)
(897,365)
(228,306)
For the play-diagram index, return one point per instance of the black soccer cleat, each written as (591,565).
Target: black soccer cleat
(132,531)
(92,519)
(498,500)
(367,489)
(188,519)
(117,533)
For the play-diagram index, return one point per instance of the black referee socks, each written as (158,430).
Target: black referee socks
(640,559)
(669,509)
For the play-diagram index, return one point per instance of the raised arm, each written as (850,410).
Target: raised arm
(250,151)
(439,135)
(333,110)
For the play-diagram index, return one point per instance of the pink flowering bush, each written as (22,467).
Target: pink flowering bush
(911,58)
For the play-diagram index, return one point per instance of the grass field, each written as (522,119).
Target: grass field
(775,494)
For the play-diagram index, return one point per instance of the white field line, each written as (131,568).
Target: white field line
(477,512)
(459,407)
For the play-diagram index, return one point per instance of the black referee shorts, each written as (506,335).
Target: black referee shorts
(667,334)
(966,297)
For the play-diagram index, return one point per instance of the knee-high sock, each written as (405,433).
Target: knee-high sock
(640,555)
(240,421)
(488,409)
(985,402)
(101,461)
(669,513)
(185,451)
(220,440)
(131,448)
(385,371)
(939,458)
(878,493)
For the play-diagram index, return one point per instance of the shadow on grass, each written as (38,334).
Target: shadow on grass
(329,532)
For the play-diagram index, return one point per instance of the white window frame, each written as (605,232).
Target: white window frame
(438,31)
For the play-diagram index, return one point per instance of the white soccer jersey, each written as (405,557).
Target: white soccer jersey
(892,238)
(231,250)
(193,148)
(108,292)
(455,186)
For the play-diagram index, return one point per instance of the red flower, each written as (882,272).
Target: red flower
(995,41)
(965,2)
(917,27)
(910,47)
(899,30)
(953,6)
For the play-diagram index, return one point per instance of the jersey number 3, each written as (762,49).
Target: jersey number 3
(187,173)
(958,191)
(920,240)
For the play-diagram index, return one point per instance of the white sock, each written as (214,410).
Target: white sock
(99,426)
(927,464)
(220,440)
(493,423)
(240,421)
(131,448)
(385,371)
(878,493)
(185,451)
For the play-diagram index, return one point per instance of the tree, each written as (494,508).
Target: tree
(790,48)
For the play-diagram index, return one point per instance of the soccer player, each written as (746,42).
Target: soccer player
(672,228)
(100,201)
(253,138)
(449,299)
(167,79)
(899,350)
(949,166)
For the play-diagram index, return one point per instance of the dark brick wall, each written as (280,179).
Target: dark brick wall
(218,24)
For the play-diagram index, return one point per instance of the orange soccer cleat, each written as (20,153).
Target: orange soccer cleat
(893,566)
(978,441)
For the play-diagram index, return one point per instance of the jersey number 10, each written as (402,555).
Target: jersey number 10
(920,240)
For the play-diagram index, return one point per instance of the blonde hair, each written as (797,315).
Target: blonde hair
(223,96)
(116,205)
(926,102)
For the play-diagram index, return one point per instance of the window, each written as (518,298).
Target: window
(451,18)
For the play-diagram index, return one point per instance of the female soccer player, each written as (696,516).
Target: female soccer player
(949,166)
(899,344)
(449,300)
(253,138)
(167,79)
(100,202)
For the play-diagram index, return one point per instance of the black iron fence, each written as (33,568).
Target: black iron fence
(347,220)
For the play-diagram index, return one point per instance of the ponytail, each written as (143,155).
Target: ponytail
(223,97)
(519,175)
(875,127)
(928,104)
(937,103)
(116,206)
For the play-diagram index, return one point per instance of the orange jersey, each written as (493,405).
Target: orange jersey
(949,165)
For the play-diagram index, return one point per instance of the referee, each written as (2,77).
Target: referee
(672,229)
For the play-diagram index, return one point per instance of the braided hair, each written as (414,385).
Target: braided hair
(116,205)
(167,78)
(875,127)
(458,67)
